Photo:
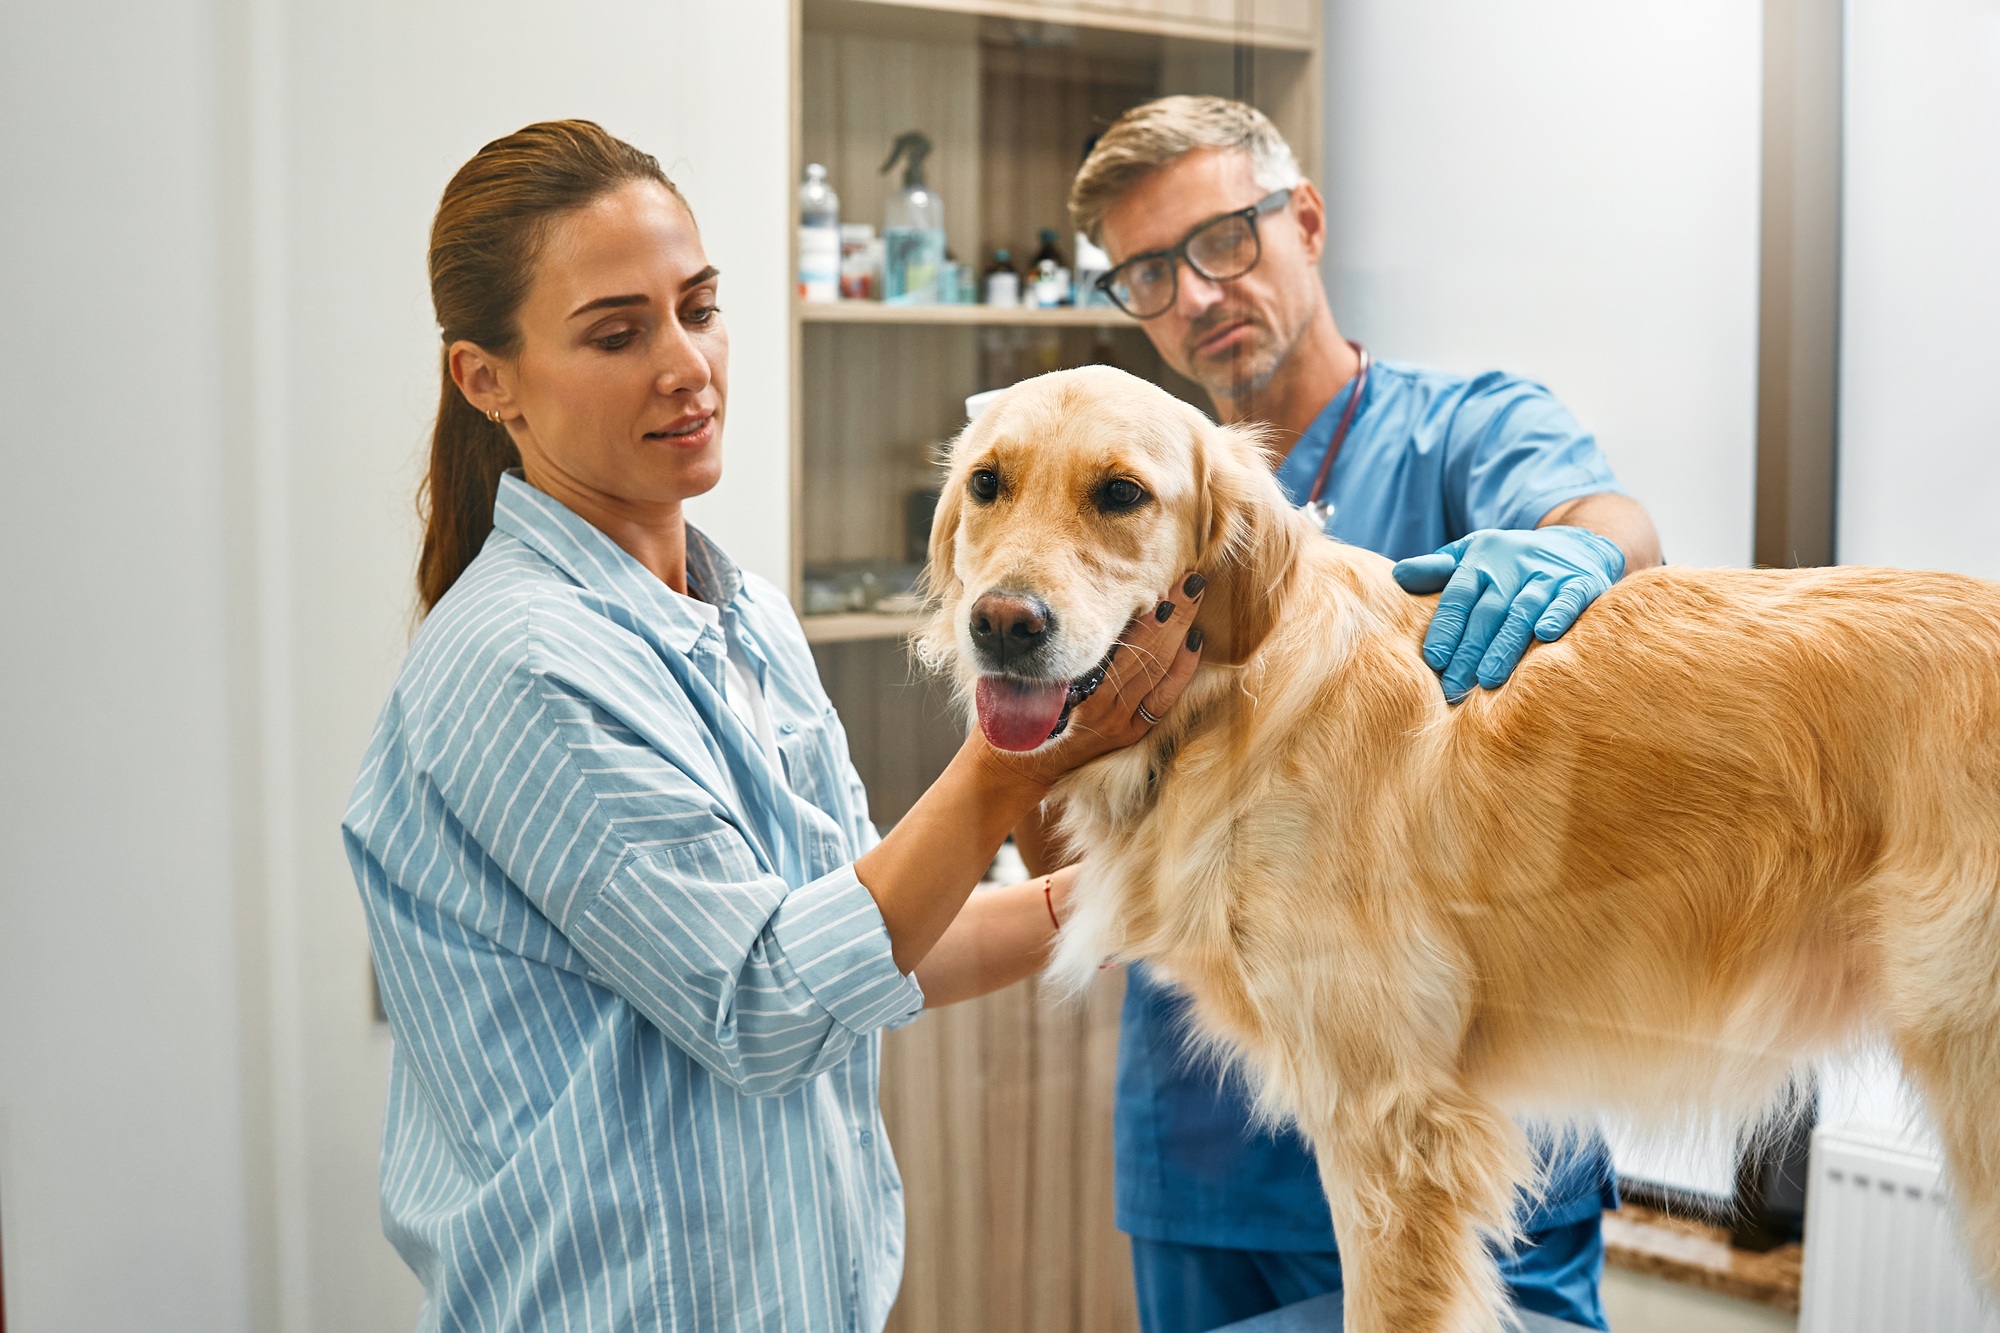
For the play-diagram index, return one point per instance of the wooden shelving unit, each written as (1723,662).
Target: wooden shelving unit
(999,1109)
(857,626)
(1273,24)
(1009,91)
(967,316)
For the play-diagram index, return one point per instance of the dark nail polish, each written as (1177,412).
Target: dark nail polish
(1194,584)
(1194,639)
(1163,611)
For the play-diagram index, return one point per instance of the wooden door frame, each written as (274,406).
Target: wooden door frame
(1798,317)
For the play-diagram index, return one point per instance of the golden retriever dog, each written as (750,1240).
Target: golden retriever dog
(1731,821)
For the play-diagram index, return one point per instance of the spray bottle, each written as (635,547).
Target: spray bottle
(913,228)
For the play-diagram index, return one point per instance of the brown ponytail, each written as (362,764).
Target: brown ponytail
(484,243)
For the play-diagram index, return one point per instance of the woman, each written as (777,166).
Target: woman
(636,937)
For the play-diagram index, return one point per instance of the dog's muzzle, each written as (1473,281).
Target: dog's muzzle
(1009,631)
(1020,706)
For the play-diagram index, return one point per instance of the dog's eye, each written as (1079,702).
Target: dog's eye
(984,485)
(1119,493)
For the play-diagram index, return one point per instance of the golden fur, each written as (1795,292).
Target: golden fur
(1730,821)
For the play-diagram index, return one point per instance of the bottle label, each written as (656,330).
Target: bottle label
(819,263)
(912,258)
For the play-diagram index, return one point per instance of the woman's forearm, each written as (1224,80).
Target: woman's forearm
(1001,936)
(1035,837)
(923,871)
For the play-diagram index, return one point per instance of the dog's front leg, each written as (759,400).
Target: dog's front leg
(1418,1178)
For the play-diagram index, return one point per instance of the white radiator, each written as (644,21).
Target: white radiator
(1882,1254)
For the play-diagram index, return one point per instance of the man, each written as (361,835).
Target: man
(1502,500)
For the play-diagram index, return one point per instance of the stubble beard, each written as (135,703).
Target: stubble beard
(1248,372)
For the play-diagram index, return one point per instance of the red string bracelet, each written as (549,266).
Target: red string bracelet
(1049,899)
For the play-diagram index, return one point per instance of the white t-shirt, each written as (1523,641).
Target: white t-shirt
(740,688)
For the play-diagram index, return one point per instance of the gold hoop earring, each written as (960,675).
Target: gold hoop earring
(494,416)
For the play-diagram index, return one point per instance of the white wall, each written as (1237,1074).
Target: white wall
(1919,479)
(218,368)
(120,1092)
(1920,316)
(1567,189)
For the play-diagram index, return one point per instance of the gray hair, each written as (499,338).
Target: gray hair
(1155,133)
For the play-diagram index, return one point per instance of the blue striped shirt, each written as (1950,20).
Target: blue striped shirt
(636,989)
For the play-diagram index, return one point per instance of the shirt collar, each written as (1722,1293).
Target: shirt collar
(1295,474)
(712,576)
(593,560)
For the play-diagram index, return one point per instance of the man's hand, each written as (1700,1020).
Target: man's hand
(1500,587)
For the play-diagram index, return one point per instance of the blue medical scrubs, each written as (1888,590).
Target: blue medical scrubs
(1227,1219)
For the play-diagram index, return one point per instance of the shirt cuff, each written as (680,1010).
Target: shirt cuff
(832,934)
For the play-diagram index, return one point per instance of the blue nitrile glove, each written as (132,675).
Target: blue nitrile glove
(1501,585)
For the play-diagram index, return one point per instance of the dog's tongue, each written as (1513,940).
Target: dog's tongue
(1017,714)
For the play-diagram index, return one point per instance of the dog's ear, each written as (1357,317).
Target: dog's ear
(1246,544)
(939,586)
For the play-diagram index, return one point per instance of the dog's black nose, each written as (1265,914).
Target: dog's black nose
(1008,628)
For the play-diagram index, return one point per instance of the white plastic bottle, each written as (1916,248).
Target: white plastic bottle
(1003,284)
(819,238)
(1091,264)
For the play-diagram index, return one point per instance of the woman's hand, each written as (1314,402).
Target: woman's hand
(922,870)
(1150,666)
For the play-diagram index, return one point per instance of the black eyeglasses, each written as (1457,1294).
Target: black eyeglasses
(1220,249)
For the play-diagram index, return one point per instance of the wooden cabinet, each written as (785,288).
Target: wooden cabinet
(1010,93)
(1000,1110)
(1000,1113)
(1291,23)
